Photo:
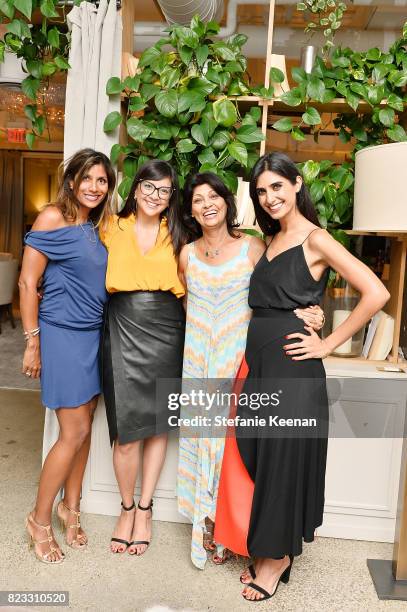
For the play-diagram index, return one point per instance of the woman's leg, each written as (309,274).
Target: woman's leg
(154,452)
(74,428)
(73,487)
(126,459)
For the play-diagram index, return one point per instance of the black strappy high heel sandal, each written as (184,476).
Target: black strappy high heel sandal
(285,577)
(135,542)
(119,540)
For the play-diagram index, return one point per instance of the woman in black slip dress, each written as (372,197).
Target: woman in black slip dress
(280,470)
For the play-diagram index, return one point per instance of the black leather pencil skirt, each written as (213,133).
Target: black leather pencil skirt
(141,354)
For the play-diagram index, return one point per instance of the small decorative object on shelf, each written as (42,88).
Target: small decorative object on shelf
(379,337)
(308,56)
(338,304)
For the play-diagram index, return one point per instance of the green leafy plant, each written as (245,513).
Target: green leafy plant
(331,189)
(375,78)
(380,80)
(43,49)
(181,107)
(325,16)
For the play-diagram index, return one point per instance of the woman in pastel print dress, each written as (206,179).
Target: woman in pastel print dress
(216,268)
(63,335)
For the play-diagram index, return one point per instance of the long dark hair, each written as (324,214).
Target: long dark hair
(282,165)
(73,171)
(191,226)
(155,170)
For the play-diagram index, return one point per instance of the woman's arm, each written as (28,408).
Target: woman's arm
(33,266)
(373,297)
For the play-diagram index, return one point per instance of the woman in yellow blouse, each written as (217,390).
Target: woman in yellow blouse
(143,341)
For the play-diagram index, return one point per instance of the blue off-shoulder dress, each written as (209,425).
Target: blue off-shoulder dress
(70,313)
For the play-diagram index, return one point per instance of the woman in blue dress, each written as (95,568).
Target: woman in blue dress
(63,333)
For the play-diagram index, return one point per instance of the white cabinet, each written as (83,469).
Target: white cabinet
(362,472)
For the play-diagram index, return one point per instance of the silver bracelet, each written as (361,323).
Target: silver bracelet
(31,333)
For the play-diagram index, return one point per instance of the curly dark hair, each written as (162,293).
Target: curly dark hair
(282,165)
(191,227)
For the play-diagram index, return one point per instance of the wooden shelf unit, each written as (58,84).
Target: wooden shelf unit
(395,284)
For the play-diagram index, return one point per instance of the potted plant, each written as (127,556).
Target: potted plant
(374,78)
(183,106)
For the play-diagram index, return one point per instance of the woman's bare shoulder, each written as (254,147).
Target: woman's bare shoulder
(320,238)
(50,218)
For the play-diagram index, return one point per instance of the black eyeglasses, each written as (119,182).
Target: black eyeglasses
(164,193)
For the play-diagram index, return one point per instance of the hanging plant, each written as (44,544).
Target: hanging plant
(43,49)
(181,106)
(325,16)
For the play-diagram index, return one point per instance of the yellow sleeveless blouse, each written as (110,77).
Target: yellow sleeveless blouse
(129,270)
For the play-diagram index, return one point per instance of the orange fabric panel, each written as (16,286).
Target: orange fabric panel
(236,488)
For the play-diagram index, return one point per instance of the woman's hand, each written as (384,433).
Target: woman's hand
(309,347)
(32,359)
(312,316)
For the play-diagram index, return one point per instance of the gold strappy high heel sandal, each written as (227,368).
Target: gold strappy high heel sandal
(80,541)
(43,557)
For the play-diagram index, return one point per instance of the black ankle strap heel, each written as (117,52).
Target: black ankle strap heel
(150,507)
(144,509)
(120,540)
(133,505)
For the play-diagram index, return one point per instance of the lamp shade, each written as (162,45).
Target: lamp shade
(11,70)
(380,188)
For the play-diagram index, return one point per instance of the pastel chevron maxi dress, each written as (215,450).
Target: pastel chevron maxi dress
(216,329)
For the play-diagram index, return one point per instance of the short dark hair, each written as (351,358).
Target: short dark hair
(282,165)
(191,226)
(155,170)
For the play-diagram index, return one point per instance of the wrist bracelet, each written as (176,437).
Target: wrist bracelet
(31,333)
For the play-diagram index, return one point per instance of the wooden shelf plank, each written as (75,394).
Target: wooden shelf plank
(383,233)
(338,105)
(350,367)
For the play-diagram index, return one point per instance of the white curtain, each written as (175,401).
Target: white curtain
(95,56)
